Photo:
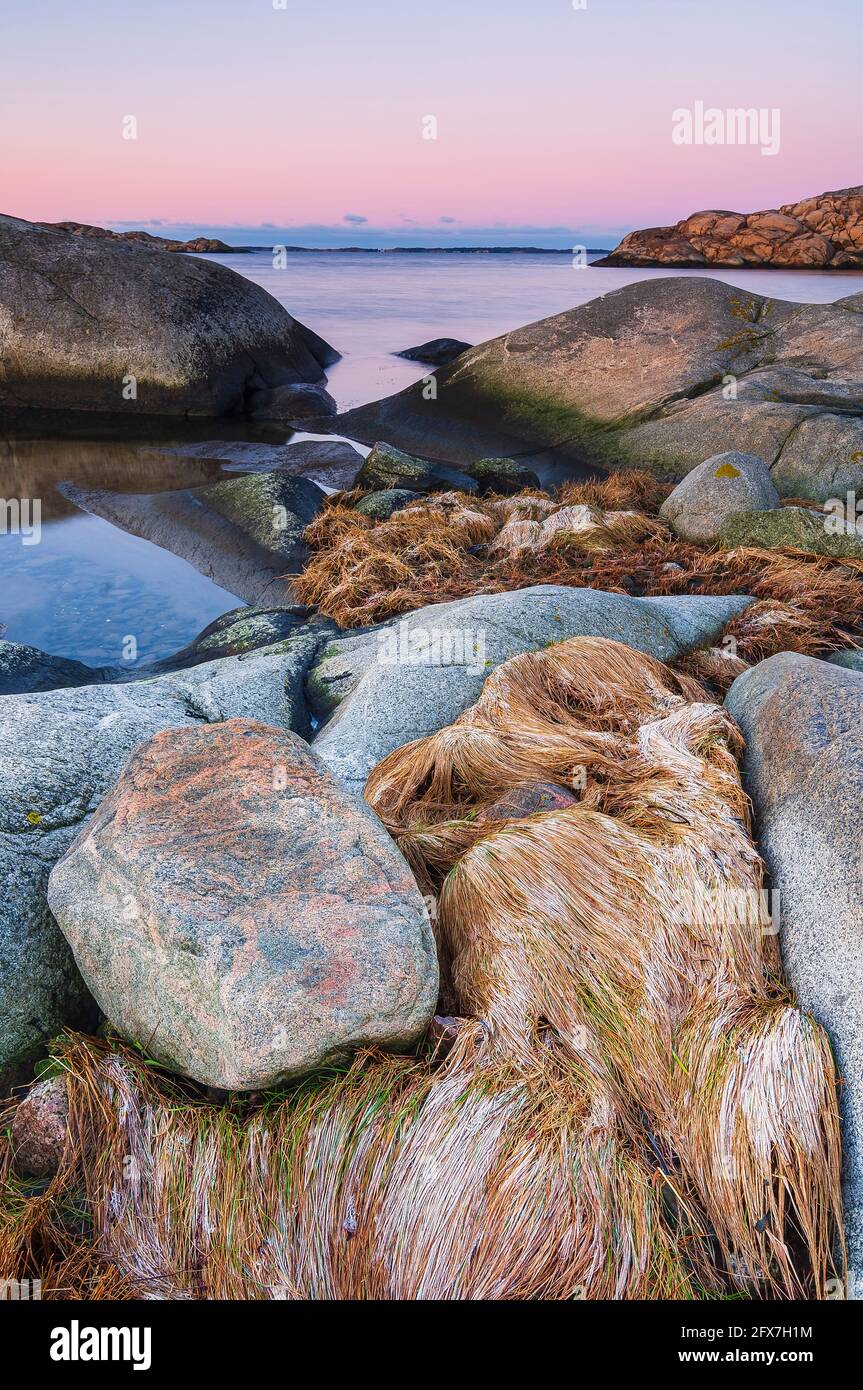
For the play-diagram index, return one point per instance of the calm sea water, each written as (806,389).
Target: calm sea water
(86,586)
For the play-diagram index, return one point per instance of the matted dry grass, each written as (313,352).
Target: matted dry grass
(633,1106)
(604,535)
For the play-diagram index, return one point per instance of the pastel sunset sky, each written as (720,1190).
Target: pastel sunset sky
(311,115)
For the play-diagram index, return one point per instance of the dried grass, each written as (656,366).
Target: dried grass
(597,534)
(632,926)
(632,1108)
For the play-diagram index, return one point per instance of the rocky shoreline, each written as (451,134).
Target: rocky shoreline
(508,833)
(823,233)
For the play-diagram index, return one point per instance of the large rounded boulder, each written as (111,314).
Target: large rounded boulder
(239,916)
(717,489)
(95,324)
(803,768)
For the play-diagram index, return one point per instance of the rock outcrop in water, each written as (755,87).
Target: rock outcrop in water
(105,325)
(202,245)
(243,533)
(438,352)
(661,374)
(820,233)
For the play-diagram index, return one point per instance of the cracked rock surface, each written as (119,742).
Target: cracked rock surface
(820,233)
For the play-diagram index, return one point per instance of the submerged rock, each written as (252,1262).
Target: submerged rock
(717,489)
(243,533)
(331,463)
(661,374)
(407,678)
(24,668)
(802,720)
(239,917)
(437,351)
(792,528)
(60,752)
(820,233)
(99,324)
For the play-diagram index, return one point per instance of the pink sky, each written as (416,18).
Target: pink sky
(547,116)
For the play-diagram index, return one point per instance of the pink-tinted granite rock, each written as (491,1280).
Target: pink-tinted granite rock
(239,915)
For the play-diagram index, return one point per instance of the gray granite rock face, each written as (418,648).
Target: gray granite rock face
(803,768)
(407,678)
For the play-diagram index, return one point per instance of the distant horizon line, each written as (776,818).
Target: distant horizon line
(321,237)
(421,250)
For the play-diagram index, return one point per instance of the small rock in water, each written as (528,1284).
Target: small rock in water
(439,352)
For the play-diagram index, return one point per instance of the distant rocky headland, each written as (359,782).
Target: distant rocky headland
(211,245)
(820,233)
